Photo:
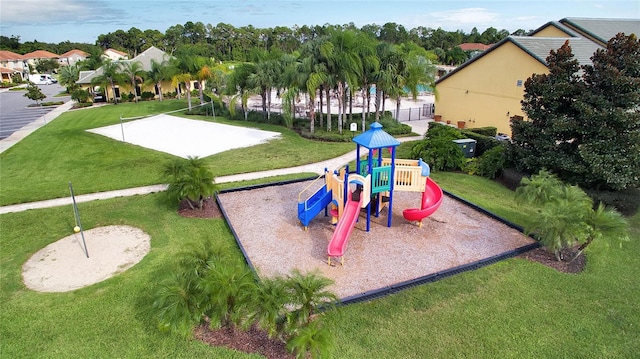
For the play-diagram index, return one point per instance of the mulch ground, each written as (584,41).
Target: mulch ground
(545,257)
(210,209)
(251,341)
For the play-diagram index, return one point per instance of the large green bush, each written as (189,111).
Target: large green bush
(491,163)
(439,150)
(483,142)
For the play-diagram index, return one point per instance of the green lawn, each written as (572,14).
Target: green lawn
(512,309)
(40,166)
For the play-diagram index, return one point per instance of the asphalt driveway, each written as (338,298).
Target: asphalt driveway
(14,110)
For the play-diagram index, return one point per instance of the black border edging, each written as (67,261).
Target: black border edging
(484,211)
(247,188)
(398,287)
(434,277)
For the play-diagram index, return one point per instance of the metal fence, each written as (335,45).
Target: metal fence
(414,113)
(405,114)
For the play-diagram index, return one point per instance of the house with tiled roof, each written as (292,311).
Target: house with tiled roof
(87,78)
(33,57)
(474,48)
(487,89)
(115,55)
(71,57)
(12,64)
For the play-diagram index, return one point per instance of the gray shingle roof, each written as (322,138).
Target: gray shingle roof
(603,29)
(558,25)
(144,58)
(539,47)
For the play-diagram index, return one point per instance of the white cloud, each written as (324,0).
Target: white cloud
(41,12)
(465,16)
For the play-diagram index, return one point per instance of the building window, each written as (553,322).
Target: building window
(519,83)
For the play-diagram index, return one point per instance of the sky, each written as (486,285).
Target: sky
(55,21)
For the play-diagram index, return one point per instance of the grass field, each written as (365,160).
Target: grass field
(512,309)
(40,166)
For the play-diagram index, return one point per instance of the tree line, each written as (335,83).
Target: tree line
(338,66)
(225,42)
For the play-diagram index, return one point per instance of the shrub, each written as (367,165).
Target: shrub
(147,95)
(322,135)
(491,163)
(80,95)
(189,181)
(439,150)
(483,142)
(489,131)
(82,105)
(441,153)
(208,285)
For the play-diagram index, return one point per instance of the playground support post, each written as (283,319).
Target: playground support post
(76,213)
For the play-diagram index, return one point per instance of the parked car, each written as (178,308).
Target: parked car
(42,79)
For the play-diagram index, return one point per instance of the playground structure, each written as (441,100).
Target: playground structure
(372,185)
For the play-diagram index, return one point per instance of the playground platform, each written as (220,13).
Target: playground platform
(267,228)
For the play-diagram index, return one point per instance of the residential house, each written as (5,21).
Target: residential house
(87,78)
(13,64)
(115,55)
(487,89)
(474,48)
(35,56)
(71,57)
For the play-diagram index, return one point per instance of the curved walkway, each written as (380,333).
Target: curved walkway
(420,126)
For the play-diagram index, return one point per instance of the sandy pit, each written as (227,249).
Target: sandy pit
(63,265)
(183,137)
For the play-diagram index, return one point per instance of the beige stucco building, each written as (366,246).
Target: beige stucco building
(487,89)
(86,80)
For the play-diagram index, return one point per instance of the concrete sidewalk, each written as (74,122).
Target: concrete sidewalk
(317,168)
(420,127)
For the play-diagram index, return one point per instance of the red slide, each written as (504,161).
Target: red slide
(344,227)
(431,200)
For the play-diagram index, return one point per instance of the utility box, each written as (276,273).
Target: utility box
(468,146)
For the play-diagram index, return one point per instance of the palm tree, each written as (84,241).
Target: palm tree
(370,66)
(420,71)
(603,222)
(110,75)
(160,71)
(180,301)
(314,340)
(566,215)
(187,65)
(68,77)
(239,88)
(264,77)
(308,291)
(271,300)
(345,66)
(231,292)
(134,72)
(312,74)
(204,74)
(189,180)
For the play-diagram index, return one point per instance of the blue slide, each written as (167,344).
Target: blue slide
(310,208)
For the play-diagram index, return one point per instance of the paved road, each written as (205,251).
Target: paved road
(14,113)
